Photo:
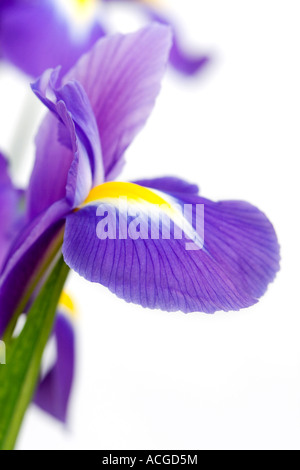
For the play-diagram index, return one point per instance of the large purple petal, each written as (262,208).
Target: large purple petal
(35,35)
(170,185)
(54,390)
(121,76)
(68,160)
(239,259)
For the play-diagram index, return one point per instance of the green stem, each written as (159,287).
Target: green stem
(18,379)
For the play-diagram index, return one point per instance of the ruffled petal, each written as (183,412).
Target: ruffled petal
(54,390)
(121,76)
(68,161)
(36,35)
(225,264)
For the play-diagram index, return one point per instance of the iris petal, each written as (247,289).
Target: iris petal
(120,82)
(121,76)
(54,390)
(69,162)
(240,256)
(123,91)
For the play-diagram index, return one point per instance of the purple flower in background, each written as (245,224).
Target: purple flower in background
(182,61)
(36,35)
(54,391)
(96,110)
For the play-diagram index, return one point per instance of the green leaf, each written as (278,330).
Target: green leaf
(18,379)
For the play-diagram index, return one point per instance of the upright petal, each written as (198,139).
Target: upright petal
(121,76)
(225,264)
(36,35)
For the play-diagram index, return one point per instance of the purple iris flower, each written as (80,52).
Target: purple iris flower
(36,35)
(54,390)
(96,110)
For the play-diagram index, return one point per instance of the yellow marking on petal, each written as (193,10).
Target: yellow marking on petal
(115,192)
(133,192)
(67,304)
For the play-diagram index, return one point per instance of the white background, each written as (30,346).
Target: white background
(154,380)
